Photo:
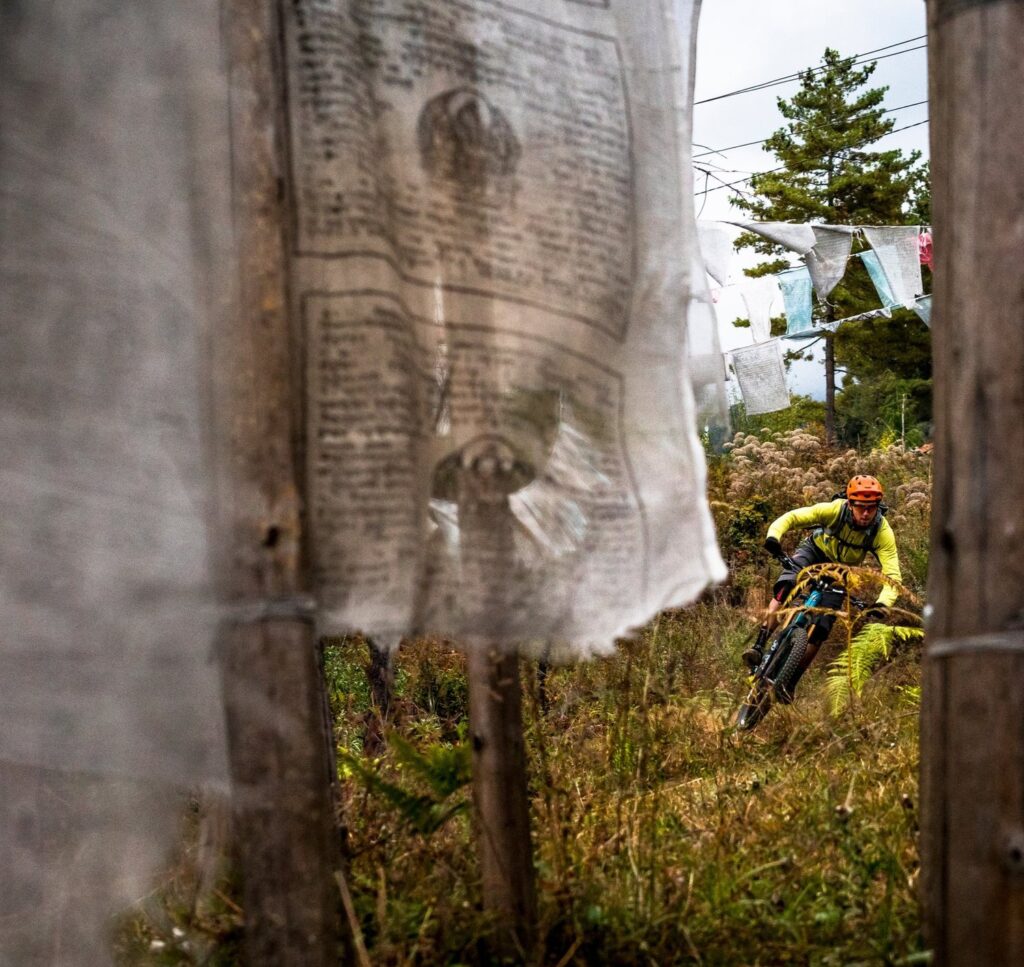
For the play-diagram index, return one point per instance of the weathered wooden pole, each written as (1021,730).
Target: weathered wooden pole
(284,818)
(488,475)
(972,745)
(500,798)
(830,383)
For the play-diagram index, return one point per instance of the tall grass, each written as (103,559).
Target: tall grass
(662,836)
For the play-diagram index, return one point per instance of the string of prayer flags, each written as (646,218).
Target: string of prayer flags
(898,252)
(881,283)
(759,295)
(827,260)
(796,295)
(715,241)
(761,377)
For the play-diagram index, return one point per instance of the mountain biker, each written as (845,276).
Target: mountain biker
(846,530)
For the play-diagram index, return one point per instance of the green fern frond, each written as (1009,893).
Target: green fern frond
(837,687)
(849,673)
(445,770)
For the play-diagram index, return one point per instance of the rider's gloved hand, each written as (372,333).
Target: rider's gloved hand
(877,612)
(772,546)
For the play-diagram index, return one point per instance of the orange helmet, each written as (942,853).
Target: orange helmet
(866,490)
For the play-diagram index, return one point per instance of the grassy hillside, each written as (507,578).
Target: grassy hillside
(661,835)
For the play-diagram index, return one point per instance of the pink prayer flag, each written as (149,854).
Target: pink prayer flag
(924,247)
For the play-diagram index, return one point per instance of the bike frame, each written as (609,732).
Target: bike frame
(802,617)
(777,656)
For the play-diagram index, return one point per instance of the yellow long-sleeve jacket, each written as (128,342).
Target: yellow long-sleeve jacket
(843,542)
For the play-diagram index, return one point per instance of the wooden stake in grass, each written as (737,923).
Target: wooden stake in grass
(500,798)
(487,474)
(972,748)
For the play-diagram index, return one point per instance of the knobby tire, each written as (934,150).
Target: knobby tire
(754,708)
(759,699)
(797,650)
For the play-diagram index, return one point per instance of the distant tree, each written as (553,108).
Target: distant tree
(830,175)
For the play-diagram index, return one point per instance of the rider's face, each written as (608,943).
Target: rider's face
(863,514)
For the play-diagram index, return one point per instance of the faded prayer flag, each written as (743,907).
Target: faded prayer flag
(827,260)
(881,283)
(796,294)
(898,252)
(494,293)
(761,376)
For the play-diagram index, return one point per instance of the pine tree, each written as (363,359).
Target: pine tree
(829,174)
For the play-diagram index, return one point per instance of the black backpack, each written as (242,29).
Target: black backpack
(845,519)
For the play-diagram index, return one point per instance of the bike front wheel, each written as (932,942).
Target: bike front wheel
(790,670)
(754,708)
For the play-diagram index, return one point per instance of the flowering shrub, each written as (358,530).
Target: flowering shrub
(761,476)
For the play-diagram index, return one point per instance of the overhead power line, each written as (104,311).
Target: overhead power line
(789,78)
(742,181)
(748,144)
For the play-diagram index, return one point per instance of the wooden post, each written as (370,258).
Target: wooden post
(972,748)
(284,816)
(830,385)
(830,377)
(488,473)
(380,677)
(500,798)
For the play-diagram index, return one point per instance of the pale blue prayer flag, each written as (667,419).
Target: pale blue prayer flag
(923,307)
(877,273)
(796,294)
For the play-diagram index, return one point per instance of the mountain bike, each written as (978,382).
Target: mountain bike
(814,598)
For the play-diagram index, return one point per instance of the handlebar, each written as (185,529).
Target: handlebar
(788,564)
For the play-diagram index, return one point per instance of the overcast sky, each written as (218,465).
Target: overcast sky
(745,42)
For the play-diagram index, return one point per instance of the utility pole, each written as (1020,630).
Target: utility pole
(285,829)
(972,748)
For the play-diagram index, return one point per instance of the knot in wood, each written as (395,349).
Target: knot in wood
(1013,853)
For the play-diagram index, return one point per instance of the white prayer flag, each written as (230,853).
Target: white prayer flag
(796,236)
(115,202)
(827,260)
(898,251)
(716,248)
(762,377)
(492,294)
(760,295)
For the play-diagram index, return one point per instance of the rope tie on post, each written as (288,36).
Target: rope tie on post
(1005,641)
